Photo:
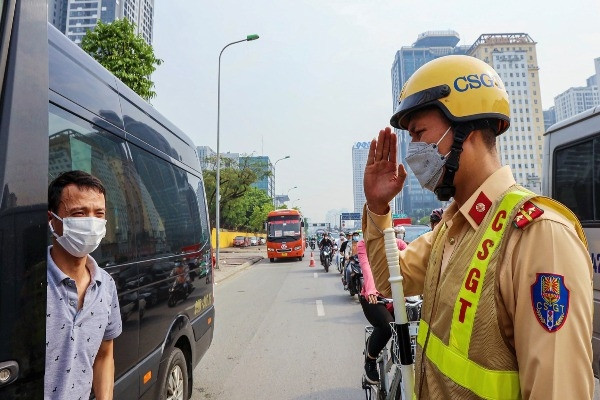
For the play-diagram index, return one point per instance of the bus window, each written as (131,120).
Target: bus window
(573,179)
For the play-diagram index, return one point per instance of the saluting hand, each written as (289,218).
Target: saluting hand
(384,178)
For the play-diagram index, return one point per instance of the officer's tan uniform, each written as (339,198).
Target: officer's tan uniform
(550,365)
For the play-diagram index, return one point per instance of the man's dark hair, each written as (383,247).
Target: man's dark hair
(488,129)
(489,137)
(81,179)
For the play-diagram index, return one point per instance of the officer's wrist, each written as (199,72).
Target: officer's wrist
(379,209)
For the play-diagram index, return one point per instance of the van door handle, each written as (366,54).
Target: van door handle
(9,372)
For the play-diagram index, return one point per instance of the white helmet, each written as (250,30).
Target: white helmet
(400,231)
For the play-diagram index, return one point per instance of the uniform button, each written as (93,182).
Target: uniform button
(451,240)
(72,302)
(69,284)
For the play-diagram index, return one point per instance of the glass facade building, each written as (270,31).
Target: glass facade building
(266,181)
(413,200)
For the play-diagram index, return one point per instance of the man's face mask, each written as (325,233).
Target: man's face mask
(426,162)
(81,235)
(355,238)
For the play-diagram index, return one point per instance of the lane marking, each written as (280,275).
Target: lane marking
(315,275)
(320,309)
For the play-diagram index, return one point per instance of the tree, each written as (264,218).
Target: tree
(255,204)
(127,56)
(235,181)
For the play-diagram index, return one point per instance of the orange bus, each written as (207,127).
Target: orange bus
(285,235)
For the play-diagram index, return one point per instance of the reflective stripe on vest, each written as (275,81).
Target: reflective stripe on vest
(452,359)
(468,296)
(485,383)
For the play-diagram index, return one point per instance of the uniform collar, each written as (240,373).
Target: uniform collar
(477,206)
(56,276)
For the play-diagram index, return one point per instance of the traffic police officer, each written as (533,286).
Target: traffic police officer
(506,276)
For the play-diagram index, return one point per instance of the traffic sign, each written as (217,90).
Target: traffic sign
(399,215)
(351,216)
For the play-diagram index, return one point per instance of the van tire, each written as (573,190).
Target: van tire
(174,379)
(271,259)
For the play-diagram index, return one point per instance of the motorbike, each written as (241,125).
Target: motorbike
(313,243)
(356,277)
(179,291)
(341,264)
(326,256)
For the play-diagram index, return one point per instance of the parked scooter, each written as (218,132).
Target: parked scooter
(326,257)
(356,277)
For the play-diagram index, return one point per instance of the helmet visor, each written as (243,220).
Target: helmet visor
(416,101)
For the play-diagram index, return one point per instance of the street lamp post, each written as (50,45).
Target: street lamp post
(274,165)
(288,193)
(218,178)
(294,202)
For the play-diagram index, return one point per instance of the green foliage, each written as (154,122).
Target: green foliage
(243,207)
(126,55)
(424,220)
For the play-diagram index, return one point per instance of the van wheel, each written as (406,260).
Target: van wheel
(174,380)
(271,259)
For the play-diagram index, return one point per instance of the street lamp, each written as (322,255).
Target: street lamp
(294,202)
(288,193)
(218,178)
(274,165)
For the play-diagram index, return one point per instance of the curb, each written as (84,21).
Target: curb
(239,268)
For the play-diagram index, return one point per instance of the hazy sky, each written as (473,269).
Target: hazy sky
(318,79)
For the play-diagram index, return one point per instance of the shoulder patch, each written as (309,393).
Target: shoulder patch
(550,301)
(526,214)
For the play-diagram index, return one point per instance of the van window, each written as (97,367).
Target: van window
(169,205)
(77,144)
(574,178)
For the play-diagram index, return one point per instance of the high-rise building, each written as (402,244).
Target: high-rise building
(549,118)
(205,153)
(414,200)
(266,172)
(75,17)
(576,99)
(513,56)
(360,152)
(57,14)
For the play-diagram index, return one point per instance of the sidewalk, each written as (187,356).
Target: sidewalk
(236,259)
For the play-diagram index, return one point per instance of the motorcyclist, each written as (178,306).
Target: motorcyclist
(351,250)
(378,315)
(400,232)
(338,242)
(326,240)
(435,217)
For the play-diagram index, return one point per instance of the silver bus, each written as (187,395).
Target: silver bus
(571,175)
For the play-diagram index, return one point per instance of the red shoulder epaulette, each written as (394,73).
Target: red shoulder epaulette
(526,214)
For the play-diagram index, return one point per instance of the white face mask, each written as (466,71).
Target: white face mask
(81,235)
(426,162)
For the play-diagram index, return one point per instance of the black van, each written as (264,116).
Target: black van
(158,235)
